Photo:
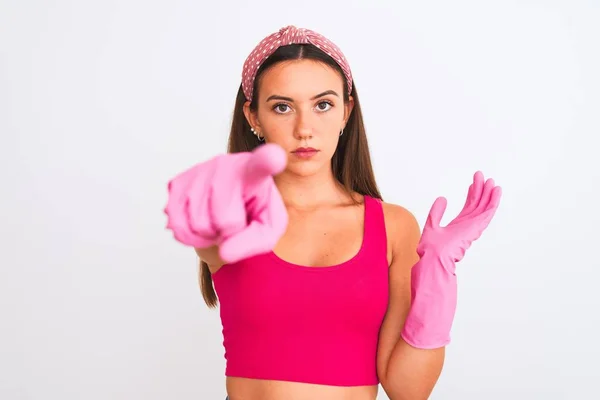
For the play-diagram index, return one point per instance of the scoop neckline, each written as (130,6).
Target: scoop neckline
(332,267)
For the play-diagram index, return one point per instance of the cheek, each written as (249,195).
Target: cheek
(331,130)
(273,123)
(334,122)
(330,142)
(280,132)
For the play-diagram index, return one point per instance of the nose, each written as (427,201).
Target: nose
(303,129)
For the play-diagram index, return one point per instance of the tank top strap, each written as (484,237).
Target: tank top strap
(375,240)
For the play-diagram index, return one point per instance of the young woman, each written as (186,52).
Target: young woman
(325,290)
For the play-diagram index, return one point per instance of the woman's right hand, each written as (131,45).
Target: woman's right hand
(230,201)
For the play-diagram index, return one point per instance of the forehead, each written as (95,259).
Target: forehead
(300,79)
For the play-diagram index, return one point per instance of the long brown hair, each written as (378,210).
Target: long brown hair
(351,162)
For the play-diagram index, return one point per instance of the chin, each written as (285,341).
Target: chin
(305,169)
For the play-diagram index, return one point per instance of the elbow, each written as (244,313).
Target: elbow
(396,390)
(413,376)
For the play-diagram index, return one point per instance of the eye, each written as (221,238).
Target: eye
(280,108)
(324,106)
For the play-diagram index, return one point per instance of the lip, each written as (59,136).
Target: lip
(304,149)
(305,152)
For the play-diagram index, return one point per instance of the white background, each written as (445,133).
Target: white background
(101,102)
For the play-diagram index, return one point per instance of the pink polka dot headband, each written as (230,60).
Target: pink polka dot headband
(285,36)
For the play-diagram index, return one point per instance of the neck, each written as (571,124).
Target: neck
(309,192)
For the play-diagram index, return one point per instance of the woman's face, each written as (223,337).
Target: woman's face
(301,108)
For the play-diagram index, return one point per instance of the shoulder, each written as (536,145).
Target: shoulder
(400,220)
(403,231)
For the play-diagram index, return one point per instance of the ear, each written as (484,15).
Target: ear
(251,117)
(348,107)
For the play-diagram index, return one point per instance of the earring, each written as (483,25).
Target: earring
(342,132)
(260,138)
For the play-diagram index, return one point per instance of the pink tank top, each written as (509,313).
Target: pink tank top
(283,321)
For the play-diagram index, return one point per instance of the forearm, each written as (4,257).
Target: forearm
(415,362)
(210,255)
(412,356)
(412,373)
(433,301)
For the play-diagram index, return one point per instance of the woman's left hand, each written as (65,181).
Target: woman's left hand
(453,240)
(433,277)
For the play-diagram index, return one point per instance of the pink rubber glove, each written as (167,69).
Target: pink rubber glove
(434,287)
(230,201)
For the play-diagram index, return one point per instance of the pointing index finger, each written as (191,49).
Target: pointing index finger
(267,160)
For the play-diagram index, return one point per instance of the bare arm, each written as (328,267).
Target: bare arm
(210,255)
(405,372)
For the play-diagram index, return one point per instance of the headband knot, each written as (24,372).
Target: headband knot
(290,34)
(286,36)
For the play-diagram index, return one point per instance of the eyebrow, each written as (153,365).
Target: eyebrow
(325,93)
